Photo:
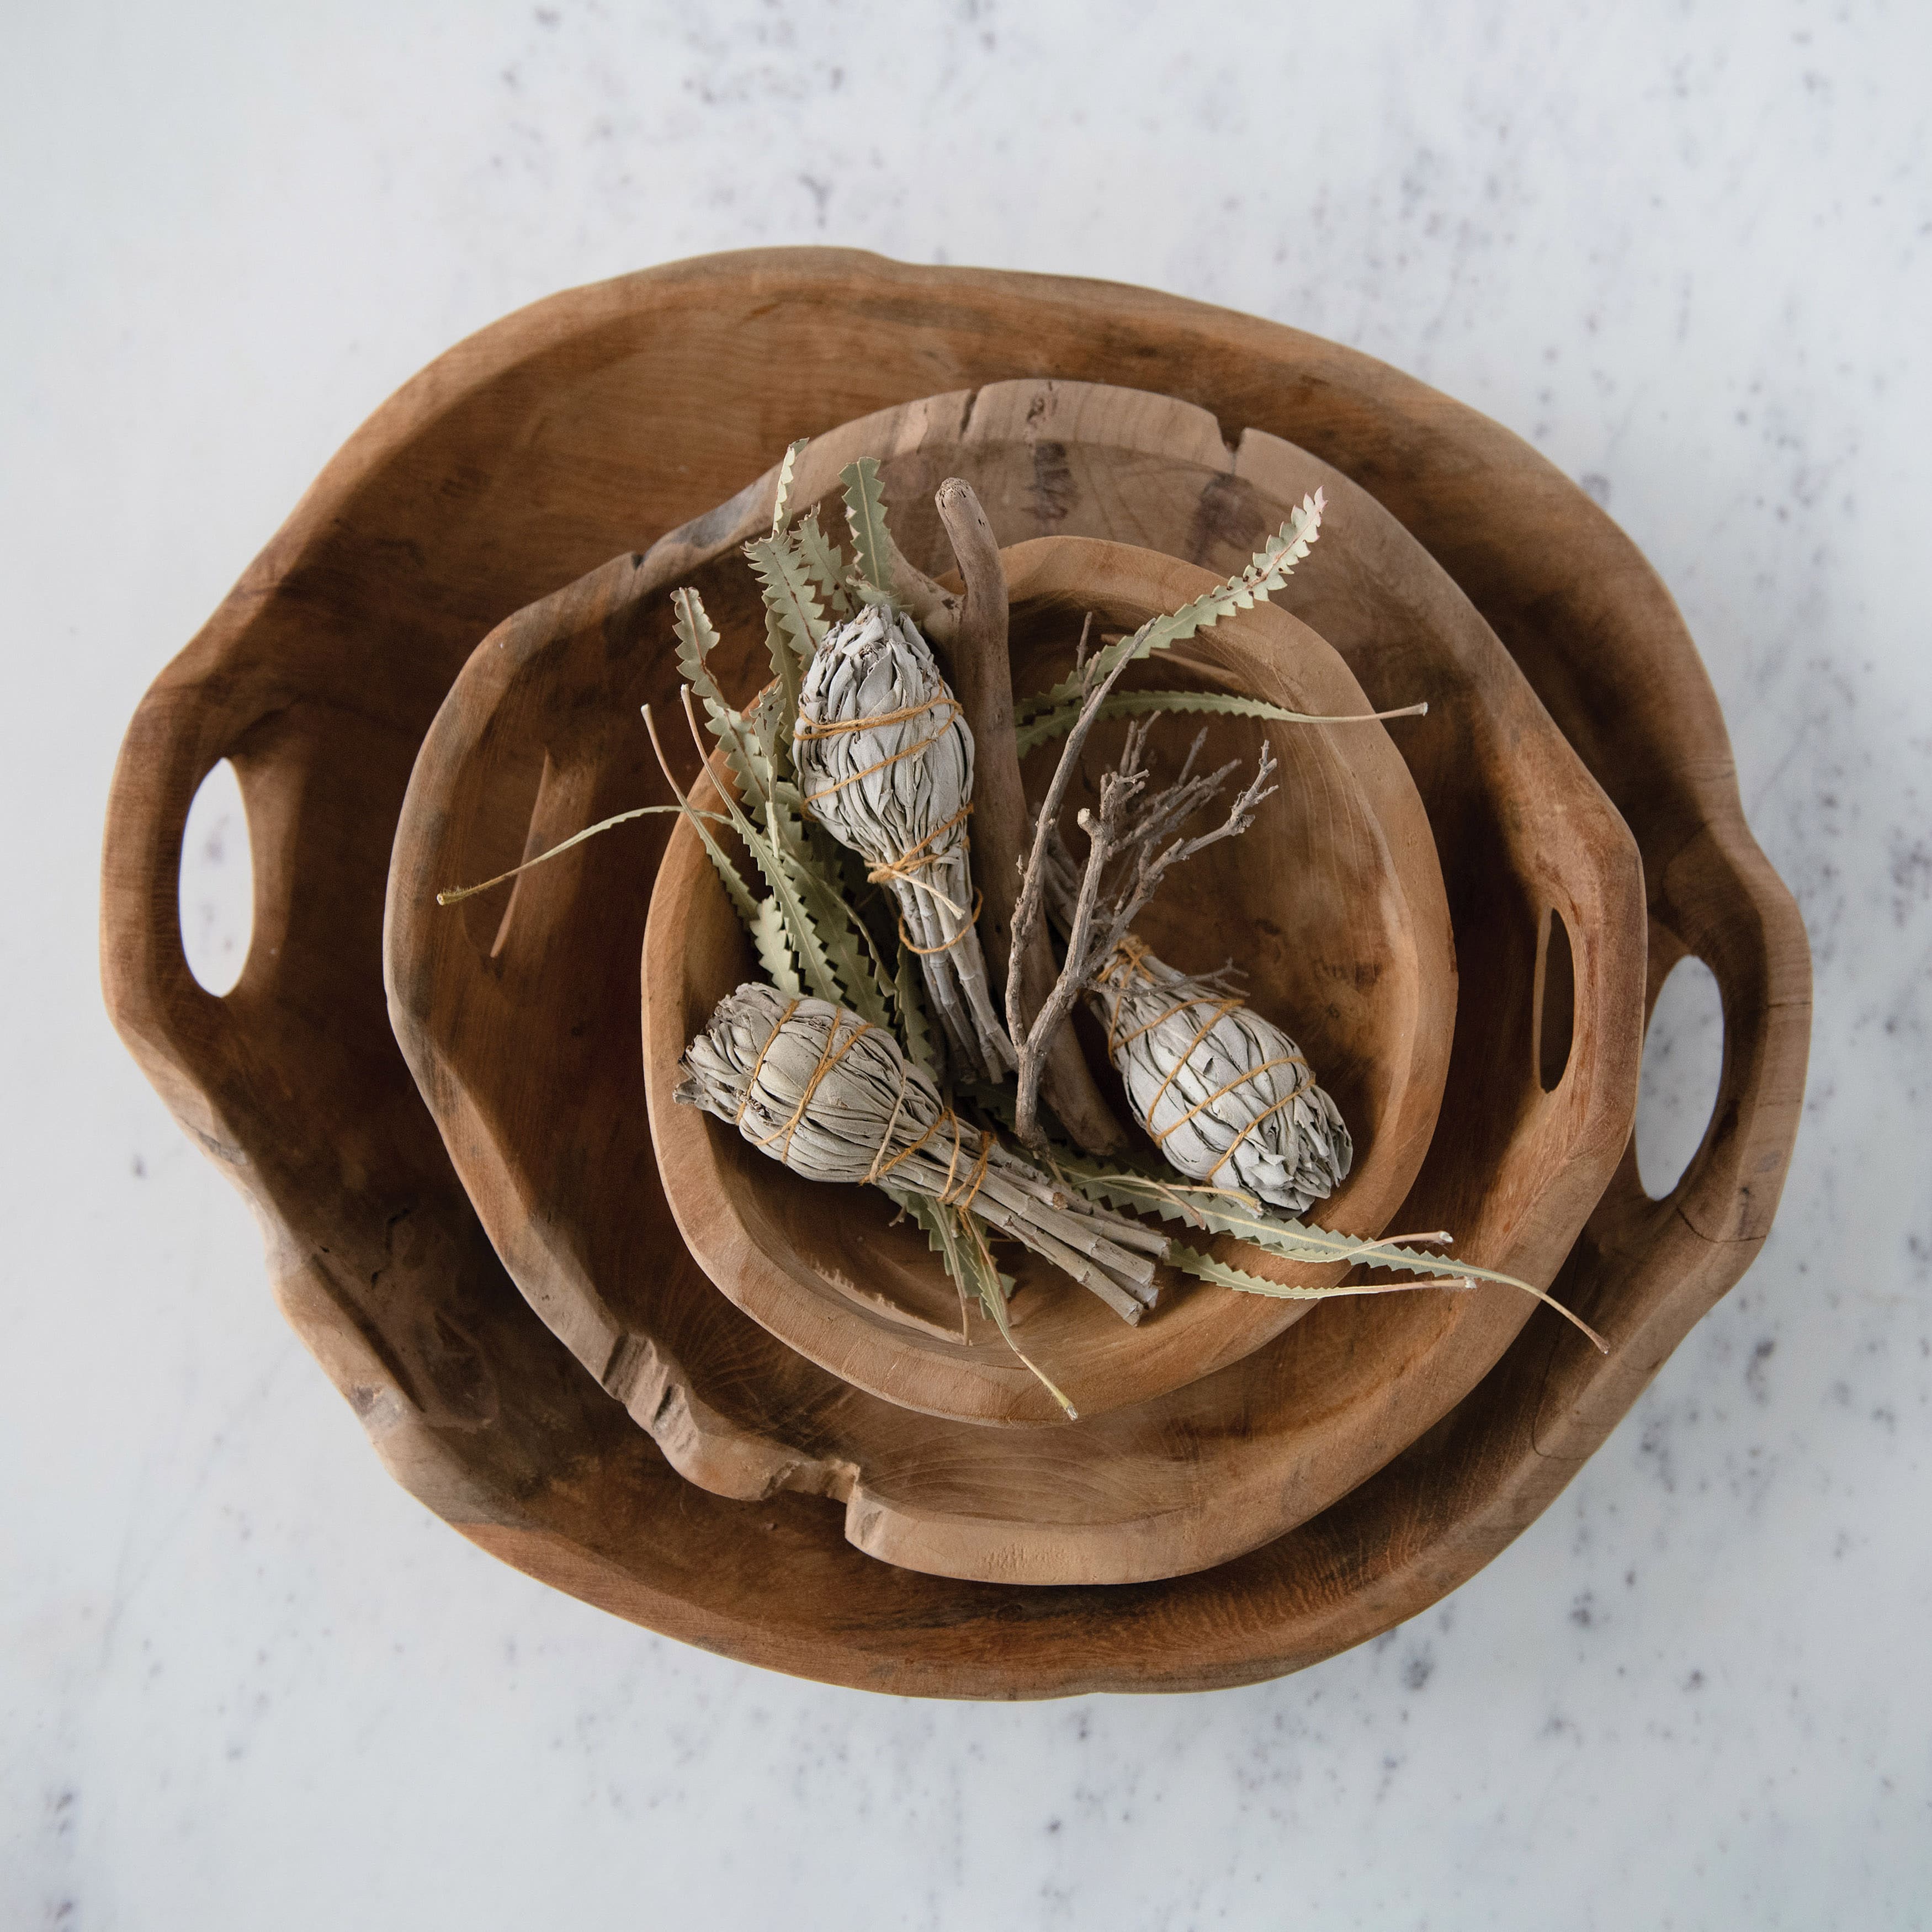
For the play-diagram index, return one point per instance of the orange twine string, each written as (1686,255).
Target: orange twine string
(758,1065)
(827,1060)
(809,728)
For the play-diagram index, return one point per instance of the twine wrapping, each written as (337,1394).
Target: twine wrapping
(1226,1095)
(814,1086)
(884,760)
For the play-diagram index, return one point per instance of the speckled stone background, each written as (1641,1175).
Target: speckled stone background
(1687,250)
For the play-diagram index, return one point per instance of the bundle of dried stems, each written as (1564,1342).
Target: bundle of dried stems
(814,1086)
(884,762)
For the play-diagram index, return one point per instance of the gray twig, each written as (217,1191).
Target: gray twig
(1134,840)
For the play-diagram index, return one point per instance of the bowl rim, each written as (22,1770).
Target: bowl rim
(1105,1365)
(1318,1410)
(1604,648)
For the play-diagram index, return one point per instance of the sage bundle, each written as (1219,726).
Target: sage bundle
(884,762)
(1227,1096)
(832,1097)
(834,1068)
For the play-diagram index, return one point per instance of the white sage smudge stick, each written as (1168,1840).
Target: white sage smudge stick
(884,761)
(814,1086)
(1227,1096)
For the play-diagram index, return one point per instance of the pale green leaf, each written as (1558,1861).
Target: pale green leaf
(916,1032)
(824,563)
(697,637)
(785,673)
(992,1288)
(1047,725)
(450,895)
(780,872)
(865,514)
(746,750)
(835,937)
(788,592)
(1267,572)
(1223,1212)
(771,939)
(781,500)
(1191,1260)
(735,889)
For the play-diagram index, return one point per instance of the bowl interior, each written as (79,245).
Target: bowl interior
(516,1028)
(1332,903)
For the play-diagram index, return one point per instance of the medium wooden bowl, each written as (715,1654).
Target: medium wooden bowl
(597,418)
(1333,900)
(512,1023)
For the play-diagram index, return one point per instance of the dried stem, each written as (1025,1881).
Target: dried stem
(982,670)
(1144,831)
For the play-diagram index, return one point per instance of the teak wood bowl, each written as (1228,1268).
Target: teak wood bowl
(1333,902)
(597,418)
(510,1025)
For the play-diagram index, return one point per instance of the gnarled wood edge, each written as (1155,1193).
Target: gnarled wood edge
(1243,1489)
(1604,647)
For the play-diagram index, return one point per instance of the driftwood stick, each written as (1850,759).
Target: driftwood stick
(1097,911)
(1029,913)
(981,669)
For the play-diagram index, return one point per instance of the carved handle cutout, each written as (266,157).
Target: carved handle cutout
(1555,1001)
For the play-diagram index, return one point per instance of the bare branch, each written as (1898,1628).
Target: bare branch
(1134,840)
(982,672)
(1031,1041)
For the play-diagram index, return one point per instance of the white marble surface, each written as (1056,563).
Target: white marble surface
(245,1681)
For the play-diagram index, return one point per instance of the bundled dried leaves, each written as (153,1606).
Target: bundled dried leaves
(859,745)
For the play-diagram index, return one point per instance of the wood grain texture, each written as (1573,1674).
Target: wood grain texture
(553,438)
(511,1029)
(1351,949)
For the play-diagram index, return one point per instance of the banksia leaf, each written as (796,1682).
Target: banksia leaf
(915,1031)
(780,501)
(1047,725)
(1268,571)
(824,563)
(771,940)
(788,592)
(745,746)
(1204,1267)
(865,514)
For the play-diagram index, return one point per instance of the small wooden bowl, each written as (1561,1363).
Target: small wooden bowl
(1332,900)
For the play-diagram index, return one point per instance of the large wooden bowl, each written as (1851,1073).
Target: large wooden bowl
(596,419)
(1332,901)
(512,1025)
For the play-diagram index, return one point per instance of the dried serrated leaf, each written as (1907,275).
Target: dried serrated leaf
(915,1032)
(735,889)
(1048,725)
(453,895)
(780,501)
(746,750)
(865,516)
(1204,1267)
(784,675)
(696,636)
(788,593)
(1267,572)
(992,1288)
(781,872)
(825,937)
(771,939)
(824,563)
(1292,1240)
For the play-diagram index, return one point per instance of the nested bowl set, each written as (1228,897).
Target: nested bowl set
(615,1346)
